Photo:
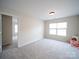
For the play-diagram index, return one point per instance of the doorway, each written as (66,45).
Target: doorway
(9,32)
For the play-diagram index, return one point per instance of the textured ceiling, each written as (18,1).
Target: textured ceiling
(41,8)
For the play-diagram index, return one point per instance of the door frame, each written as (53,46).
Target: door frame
(13,16)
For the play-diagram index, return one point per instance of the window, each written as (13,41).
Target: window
(58,29)
(16,28)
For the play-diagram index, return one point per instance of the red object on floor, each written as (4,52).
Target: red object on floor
(74,42)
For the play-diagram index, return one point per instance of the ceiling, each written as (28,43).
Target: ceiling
(41,8)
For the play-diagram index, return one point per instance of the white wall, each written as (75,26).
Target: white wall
(72,28)
(78,26)
(14,31)
(0,35)
(30,28)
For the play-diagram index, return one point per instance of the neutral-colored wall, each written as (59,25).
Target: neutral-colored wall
(0,35)
(78,26)
(30,28)
(14,33)
(6,30)
(72,27)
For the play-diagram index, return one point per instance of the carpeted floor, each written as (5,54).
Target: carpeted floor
(43,49)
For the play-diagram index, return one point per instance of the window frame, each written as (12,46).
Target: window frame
(57,29)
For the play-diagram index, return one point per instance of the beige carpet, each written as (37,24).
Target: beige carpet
(43,49)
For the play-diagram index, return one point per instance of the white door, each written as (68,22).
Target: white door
(0,34)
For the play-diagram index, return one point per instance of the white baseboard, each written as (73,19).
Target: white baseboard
(28,43)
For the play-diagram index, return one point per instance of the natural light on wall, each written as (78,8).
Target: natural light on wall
(58,29)
(16,28)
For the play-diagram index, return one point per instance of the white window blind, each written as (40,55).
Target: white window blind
(58,29)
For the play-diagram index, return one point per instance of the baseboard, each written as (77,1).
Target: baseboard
(6,45)
(28,43)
